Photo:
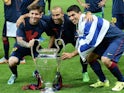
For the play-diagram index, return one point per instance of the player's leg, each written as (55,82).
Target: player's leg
(5,45)
(110,59)
(14,60)
(123,21)
(95,65)
(49,6)
(93,60)
(13,67)
(84,65)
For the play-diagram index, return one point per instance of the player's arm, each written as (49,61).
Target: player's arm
(7,2)
(21,37)
(51,41)
(33,3)
(21,19)
(23,43)
(80,2)
(83,4)
(66,55)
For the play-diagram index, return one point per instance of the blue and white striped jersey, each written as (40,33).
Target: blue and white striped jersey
(90,34)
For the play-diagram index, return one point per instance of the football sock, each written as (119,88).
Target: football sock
(14,70)
(84,66)
(6,48)
(116,72)
(95,65)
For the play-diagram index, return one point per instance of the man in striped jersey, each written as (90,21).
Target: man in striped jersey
(98,39)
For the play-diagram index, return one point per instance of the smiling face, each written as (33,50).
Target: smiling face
(57,15)
(35,16)
(74,16)
(74,13)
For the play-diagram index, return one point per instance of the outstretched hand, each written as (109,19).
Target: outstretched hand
(66,55)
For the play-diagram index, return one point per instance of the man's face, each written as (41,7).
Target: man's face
(74,17)
(57,16)
(35,16)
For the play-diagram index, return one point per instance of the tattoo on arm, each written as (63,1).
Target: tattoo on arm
(23,43)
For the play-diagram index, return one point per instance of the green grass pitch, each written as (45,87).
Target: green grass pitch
(70,69)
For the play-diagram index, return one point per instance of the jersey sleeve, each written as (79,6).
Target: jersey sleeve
(20,31)
(47,28)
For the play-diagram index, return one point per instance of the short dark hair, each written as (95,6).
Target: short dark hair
(36,7)
(74,8)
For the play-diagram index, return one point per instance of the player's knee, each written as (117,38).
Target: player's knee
(5,38)
(106,61)
(13,61)
(91,57)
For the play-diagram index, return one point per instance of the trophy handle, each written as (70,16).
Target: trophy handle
(57,41)
(38,44)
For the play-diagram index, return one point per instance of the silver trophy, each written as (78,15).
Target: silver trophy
(46,63)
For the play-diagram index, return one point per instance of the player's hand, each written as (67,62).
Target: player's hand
(7,2)
(85,5)
(101,4)
(89,16)
(31,43)
(20,20)
(66,56)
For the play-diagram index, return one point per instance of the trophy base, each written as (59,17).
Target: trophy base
(47,90)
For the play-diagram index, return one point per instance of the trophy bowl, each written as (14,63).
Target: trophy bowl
(47,65)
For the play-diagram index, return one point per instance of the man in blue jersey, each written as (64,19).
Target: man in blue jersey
(62,28)
(118,13)
(28,3)
(94,6)
(11,14)
(98,40)
(26,34)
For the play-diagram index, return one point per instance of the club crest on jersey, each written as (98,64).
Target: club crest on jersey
(114,20)
(14,49)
